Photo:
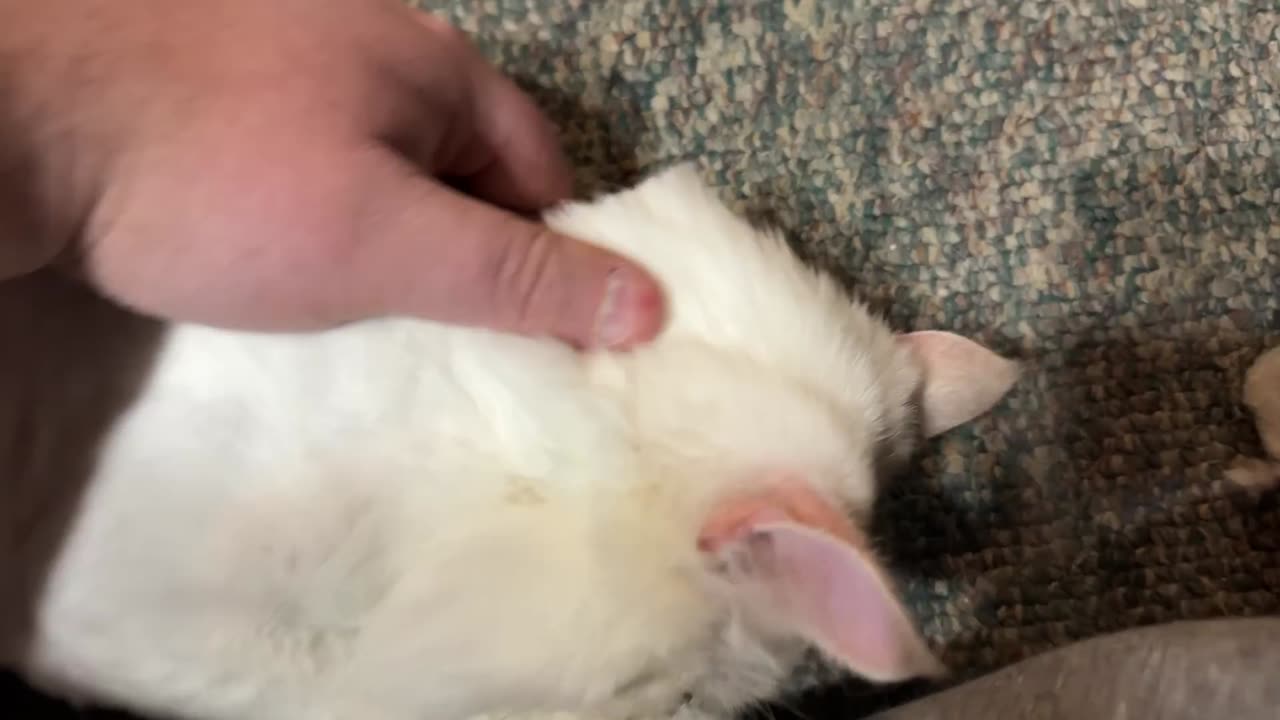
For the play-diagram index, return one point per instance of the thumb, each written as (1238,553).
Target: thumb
(439,254)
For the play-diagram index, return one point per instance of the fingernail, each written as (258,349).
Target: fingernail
(615,320)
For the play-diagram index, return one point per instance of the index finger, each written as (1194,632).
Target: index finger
(504,148)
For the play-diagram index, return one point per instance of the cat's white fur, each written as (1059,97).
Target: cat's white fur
(397,520)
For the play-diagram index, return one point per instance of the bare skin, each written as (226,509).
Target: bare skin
(291,165)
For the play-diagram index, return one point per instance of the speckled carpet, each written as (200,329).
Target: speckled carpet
(1090,185)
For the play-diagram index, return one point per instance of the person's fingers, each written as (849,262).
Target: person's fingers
(430,251)
(502,147)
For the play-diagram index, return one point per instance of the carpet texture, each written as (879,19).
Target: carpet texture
(1092,186)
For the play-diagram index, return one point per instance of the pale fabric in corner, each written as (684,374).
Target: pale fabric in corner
(1262,397)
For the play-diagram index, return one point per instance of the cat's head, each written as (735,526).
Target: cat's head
(762,502)
(763,416)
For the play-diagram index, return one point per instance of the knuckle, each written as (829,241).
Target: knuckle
(526,276)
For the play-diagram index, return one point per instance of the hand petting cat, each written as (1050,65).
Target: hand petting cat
(287,165)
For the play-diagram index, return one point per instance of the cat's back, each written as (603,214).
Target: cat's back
(393,470)
(442,401)
(324,476)
(393,398)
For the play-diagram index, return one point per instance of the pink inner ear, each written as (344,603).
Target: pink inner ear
(809,567)
(783,501)
(840,600)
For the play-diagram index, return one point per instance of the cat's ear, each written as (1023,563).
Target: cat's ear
(962,379)
(808,582)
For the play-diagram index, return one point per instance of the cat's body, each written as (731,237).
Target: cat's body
(398,520)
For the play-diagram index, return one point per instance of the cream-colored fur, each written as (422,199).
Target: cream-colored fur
(399,521)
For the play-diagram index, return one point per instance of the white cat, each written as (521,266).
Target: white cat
(398,520)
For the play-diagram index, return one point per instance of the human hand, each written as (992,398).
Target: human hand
(287,165)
